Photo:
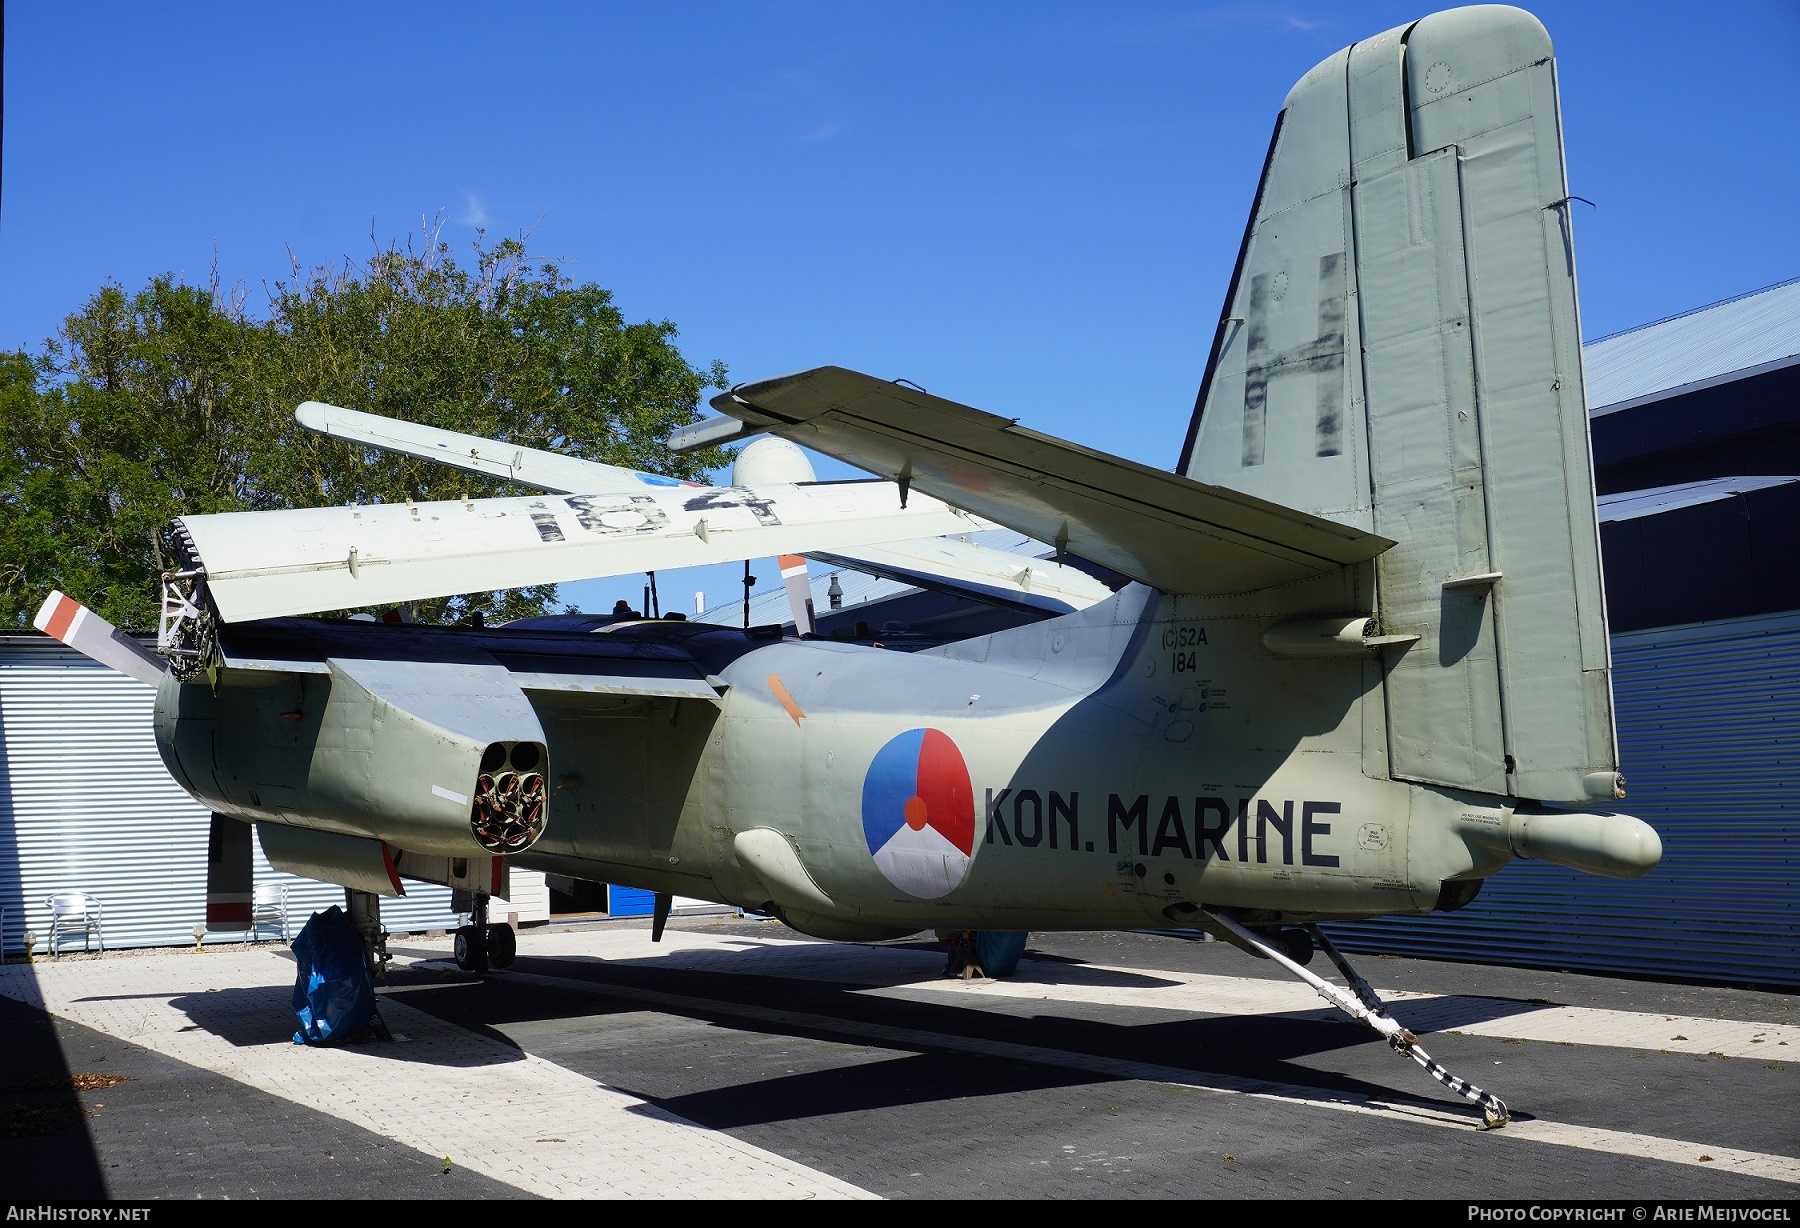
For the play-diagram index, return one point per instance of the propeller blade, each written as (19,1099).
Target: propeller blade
(799,591)
(63,618)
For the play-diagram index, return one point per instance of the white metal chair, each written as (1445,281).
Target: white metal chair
(74,912)
(269,907)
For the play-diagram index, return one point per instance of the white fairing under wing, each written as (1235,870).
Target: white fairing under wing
(274,564)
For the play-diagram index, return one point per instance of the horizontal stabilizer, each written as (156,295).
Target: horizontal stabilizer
(271,564)
(61,617)
(1166,530)
(551,471)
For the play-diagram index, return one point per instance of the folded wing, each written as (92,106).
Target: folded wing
(271,564)
(550,471)
(947,565)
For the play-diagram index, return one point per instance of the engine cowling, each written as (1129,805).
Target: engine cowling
(445,758)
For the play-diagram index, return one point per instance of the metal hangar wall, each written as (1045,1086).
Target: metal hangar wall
(1696,430)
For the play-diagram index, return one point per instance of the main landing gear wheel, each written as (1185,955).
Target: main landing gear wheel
(481,947)
(472,949)
(502,946)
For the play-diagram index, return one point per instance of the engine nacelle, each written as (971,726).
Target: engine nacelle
(446,758)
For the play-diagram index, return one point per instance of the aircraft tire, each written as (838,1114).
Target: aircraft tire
(1296,944)
(502,946)
(471,949)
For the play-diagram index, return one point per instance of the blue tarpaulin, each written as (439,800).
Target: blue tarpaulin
(994,953)
(333,993)
(998,951)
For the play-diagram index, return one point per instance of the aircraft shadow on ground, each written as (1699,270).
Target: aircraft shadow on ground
(1436,1014)
(43,1135)
(1425,1015)
(1263,1048)
(909,1079)
(263,1016)
(1043,968)
(783,962)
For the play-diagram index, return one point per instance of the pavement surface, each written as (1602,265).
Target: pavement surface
(735,1059)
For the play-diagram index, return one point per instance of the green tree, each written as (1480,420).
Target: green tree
(175,400)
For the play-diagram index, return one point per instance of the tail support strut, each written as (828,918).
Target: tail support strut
(1361,1003)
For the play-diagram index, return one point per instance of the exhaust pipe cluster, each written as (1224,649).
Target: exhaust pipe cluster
(508,813)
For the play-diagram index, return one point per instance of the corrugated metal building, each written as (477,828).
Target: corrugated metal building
(1709,738)
(1710,393)
(1696,428)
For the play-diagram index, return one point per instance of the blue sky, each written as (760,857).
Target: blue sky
(1032,208)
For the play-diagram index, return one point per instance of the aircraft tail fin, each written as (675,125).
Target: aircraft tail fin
(1400,352)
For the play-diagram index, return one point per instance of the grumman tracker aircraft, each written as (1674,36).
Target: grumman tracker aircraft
(1361,667)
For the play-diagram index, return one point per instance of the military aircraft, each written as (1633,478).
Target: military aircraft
(1361,665)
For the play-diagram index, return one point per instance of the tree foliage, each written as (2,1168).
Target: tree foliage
(176,400)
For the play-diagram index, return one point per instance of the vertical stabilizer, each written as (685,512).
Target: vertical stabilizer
(1400,351)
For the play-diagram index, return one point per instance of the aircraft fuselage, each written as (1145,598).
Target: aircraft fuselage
(1119,764)
(1118,767)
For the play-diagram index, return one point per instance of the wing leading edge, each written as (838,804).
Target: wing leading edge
(527,466)
(1169,531)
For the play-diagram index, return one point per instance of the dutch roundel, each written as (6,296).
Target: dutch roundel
(919,813)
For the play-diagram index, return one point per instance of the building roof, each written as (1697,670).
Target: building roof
(1632,504)
(1732,339)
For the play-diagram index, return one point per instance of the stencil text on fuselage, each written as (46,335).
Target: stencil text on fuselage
(1286,832)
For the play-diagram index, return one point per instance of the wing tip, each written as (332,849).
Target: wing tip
(315,415)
